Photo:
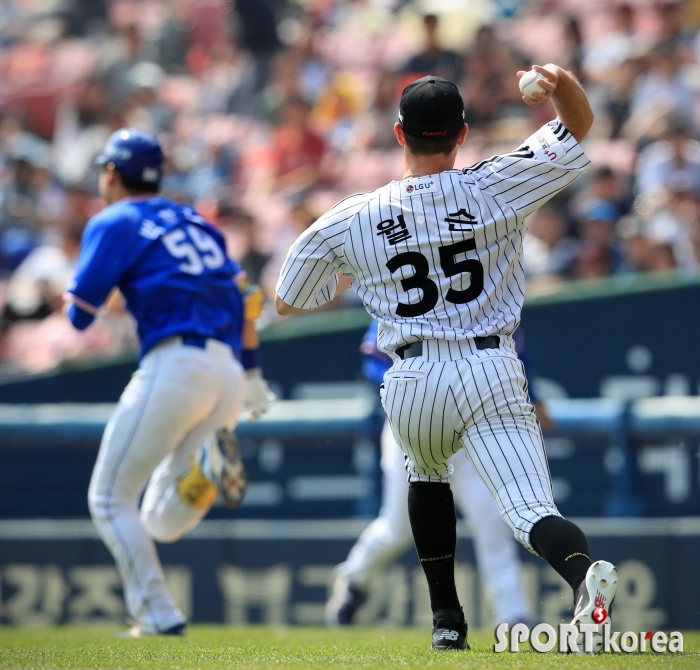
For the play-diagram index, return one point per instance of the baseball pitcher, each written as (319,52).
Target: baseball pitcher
(436,259)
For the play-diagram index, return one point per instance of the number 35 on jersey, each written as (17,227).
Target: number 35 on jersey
(449,266)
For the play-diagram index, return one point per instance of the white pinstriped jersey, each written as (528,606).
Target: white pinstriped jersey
(438,256)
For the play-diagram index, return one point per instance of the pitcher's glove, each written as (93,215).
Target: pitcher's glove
(258,396)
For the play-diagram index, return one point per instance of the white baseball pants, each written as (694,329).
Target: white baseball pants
(390,533)
(176,400)
(440,401)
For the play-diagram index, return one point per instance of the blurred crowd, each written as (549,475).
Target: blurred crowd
(269,111)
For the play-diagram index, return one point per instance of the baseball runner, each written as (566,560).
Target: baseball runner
(171,431)
(435,258)
(389,534)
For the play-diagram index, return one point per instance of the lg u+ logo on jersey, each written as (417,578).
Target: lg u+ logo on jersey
(544,638)
(420,186)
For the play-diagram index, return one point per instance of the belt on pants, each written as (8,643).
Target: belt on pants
(416,349)
(200,341)
(195,340)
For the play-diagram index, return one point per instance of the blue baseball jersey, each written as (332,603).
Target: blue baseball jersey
(170,265)
(375,362)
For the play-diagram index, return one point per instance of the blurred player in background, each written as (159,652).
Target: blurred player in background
(198,368)
(387,537)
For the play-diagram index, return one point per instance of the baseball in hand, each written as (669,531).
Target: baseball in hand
(528,83)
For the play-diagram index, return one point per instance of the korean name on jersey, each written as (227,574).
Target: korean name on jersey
(436,256)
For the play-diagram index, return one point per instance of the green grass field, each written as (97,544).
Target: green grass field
(208,647)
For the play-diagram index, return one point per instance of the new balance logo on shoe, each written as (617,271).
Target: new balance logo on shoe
(449,635)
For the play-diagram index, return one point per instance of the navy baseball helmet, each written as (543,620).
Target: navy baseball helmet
(135,153)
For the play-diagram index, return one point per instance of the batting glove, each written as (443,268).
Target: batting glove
(258,396)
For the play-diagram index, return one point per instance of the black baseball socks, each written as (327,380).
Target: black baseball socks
(431,510)
(564,546)
(434,523)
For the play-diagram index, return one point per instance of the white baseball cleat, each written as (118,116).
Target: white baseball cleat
(221,463)
(594,599)
(216,472)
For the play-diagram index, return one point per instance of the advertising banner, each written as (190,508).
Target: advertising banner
(280,572)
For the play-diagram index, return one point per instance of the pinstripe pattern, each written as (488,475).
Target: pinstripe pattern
(500,193)
(438,259)
(479,403)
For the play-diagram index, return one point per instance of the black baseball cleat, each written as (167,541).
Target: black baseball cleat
(344,603)
(136,631)
(179,629)
(449,630)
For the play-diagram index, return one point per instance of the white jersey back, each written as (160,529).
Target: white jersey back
(436,256)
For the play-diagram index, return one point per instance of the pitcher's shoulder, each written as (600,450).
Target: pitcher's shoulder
(346,209)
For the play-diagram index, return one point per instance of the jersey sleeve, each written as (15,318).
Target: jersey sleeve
(103,260)
(547,162)
(309,274)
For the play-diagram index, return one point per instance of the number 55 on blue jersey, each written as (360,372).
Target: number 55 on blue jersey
(170,264)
